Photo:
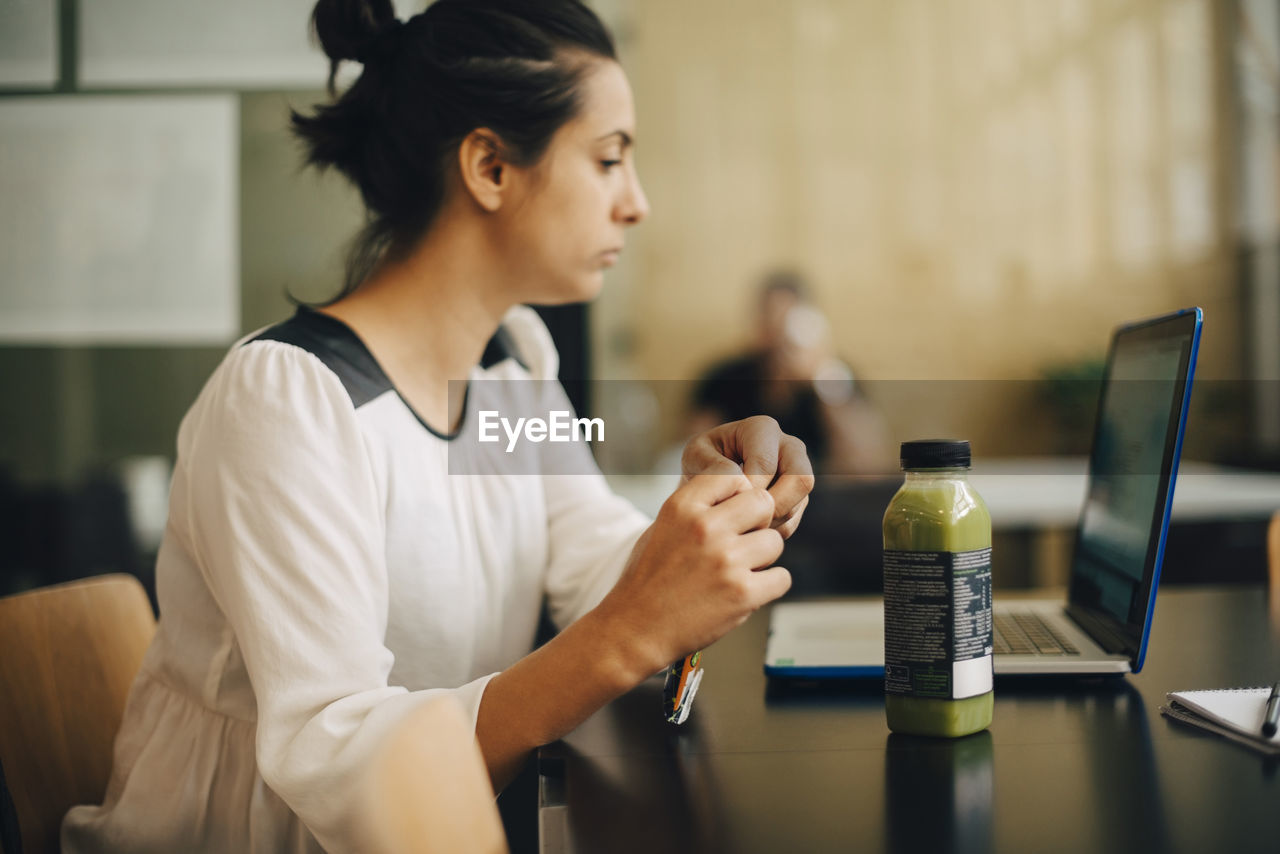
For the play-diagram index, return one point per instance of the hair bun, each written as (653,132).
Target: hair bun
(349,29)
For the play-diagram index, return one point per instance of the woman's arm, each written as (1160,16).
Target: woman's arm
(696,573)
(279,507)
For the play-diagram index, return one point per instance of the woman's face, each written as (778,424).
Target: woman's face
(566,223)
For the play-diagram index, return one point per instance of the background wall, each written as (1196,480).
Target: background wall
(65,410)
(979,189)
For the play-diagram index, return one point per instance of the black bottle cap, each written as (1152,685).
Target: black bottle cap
(935,454)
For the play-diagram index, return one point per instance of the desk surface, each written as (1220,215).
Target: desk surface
(1077,766)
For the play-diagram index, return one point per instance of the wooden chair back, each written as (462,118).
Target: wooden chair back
(428,791)
(68,656)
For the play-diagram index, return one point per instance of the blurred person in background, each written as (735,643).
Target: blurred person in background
(792,374)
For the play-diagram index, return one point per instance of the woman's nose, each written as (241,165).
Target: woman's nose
(634,206)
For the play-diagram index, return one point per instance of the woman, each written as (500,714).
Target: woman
(323,572)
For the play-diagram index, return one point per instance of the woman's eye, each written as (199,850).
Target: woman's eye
(609,164)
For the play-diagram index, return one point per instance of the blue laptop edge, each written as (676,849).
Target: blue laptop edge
(1173,472)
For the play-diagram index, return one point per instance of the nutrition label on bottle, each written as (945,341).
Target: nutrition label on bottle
(937,623)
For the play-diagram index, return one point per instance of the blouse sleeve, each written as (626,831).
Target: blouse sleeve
(591,530)
(287,524)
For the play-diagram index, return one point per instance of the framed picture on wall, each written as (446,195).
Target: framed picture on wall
(120,223)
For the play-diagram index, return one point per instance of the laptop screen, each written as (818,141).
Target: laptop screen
(1136,441)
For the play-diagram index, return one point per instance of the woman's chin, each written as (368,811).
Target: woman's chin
(583,289)
(592,287)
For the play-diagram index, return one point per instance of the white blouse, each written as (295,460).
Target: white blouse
(329,563)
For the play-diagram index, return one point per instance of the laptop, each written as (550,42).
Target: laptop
(1119,544)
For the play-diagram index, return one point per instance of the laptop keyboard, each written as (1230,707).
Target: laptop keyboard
(1028,634)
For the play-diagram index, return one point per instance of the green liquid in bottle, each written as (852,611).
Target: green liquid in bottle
(937,511)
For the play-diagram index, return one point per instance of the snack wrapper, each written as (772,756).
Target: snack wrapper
(681,685)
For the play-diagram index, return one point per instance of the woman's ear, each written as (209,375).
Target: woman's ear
(484,173)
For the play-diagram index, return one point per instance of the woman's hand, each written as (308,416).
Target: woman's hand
(701,569)
(769,458)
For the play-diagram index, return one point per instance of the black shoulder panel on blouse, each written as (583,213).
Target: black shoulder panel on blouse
(501,346)
(341,350)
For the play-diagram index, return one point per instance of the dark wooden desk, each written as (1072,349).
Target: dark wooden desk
(1079,766)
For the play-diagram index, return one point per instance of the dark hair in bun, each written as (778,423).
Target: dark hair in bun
(512,66)
(350,30)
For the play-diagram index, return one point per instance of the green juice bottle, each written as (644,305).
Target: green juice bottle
(937,596)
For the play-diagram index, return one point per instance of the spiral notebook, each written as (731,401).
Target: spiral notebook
(1234,713)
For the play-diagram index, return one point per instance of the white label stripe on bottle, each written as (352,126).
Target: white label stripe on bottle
(971,678)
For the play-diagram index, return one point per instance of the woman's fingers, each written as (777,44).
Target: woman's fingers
(795,481)
(757,442)
(759,449)
(788,525)
(769,584)
(704,454)
(758,549)
(748,510)
(709,489)
(749,446)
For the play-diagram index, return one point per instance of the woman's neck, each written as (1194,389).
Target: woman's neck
(427,318)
